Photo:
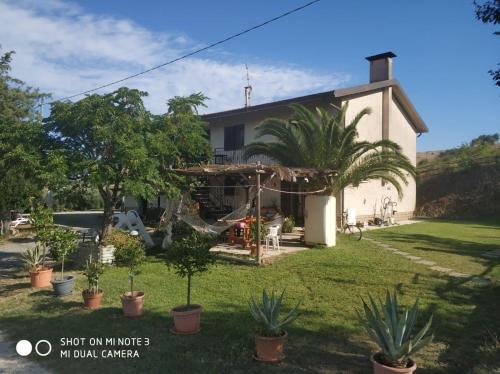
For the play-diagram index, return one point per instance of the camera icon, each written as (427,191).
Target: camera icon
(42,348)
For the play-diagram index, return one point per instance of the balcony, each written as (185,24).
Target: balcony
(222,157)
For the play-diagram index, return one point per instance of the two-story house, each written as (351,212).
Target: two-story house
(393,117)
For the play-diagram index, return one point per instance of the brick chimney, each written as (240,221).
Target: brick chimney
(381,66)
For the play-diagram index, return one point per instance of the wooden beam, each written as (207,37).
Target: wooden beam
(257,206)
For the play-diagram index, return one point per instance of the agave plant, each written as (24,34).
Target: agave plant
(268,315)
(391,329)
(32,258)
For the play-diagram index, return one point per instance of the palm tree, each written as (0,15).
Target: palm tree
(321,141)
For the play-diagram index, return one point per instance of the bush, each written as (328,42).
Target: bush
(93,272)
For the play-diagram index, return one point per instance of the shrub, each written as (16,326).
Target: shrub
(267,316)
(391,329)
(288,224)
(189,256)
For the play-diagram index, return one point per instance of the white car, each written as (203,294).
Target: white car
(22,220)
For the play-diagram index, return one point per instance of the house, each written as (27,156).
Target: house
(393,117)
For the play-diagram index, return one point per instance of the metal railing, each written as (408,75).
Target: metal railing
(222,157)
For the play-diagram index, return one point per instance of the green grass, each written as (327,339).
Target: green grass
(327,337)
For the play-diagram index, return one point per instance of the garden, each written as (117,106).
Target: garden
(325,334)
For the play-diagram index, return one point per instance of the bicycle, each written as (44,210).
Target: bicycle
(352,230)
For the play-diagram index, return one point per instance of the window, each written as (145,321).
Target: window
(234,137)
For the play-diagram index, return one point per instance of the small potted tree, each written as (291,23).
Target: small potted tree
(391,329)
(61,243)
(130,252)
(270,335)
(189,256)
(40,275)
(92,296)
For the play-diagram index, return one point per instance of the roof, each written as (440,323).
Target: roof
(328,96)
(285,173)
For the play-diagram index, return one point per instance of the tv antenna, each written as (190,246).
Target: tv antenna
(248,89)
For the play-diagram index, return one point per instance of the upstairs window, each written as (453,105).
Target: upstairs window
(234,137)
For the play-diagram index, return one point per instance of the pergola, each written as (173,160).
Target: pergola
(289,174)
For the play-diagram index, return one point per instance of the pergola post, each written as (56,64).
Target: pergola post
(257,203)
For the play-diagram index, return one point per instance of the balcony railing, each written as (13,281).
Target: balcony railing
(222,157)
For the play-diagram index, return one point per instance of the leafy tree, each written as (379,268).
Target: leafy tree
(26,165)
(489,12)
(320,140)
(114,144)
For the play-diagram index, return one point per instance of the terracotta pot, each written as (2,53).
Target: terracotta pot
(41,278)
(186,321)
(133,304)
(270,349)
(92,300)
(378,368)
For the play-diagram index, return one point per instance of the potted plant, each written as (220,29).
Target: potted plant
(130,252)
(188,256)
(270,335)
(391,329)
(40,273)
(288,225)
(61,243)
(33,262)
(92,296)
(253,235)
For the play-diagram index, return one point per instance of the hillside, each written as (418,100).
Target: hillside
(460,183)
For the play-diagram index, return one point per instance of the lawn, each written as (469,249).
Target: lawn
(327,337)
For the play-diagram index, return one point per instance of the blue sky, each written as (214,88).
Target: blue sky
(443,52)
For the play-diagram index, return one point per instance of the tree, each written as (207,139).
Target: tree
(26,165)
(114,144)
(320,140)
(489,12)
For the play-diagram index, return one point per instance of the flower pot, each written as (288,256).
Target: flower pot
(92,300)
(270,349)
(186,321)
(133,303)
(41,278)
(379,368)
(63,286)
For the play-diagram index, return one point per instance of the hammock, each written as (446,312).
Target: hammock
(186,210)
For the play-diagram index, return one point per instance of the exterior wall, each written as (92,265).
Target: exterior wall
(368,198)
(402,132)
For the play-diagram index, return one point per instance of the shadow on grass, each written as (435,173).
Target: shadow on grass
(225,343)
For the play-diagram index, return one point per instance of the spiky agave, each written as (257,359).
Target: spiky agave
(392,330)
(268,315)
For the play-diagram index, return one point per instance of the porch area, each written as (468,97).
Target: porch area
(289,243)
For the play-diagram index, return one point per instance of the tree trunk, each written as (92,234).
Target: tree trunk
(62,268)
(107,220)
(189,291)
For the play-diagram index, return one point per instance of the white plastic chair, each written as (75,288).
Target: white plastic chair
(351,216)
(273,235)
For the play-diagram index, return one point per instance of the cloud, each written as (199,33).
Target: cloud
(64,50)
